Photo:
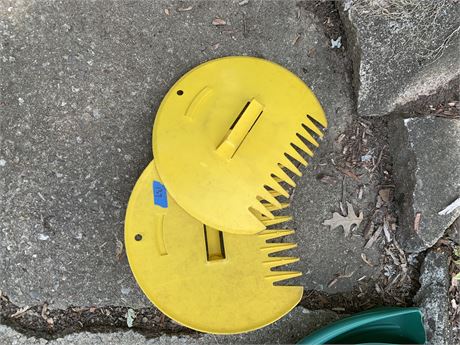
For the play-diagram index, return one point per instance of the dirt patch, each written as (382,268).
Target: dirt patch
(444,103)
(40,322)
(328,15)
(367,163)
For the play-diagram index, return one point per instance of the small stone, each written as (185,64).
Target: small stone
(43,237)
(2,162)
(34,294)
(125,290)
(219,22)
(385,194)
(337,43)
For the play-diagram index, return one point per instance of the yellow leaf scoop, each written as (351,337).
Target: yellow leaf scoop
(200,277)
(225,134)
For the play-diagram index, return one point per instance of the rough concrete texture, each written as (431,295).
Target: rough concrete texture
(433,297)
(426,153)
(80,83)
(401,50)
(299,323)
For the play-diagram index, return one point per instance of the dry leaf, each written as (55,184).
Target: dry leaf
(345,221)
(218,22)
(349,174)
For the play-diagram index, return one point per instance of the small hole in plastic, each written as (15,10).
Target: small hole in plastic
(138,237)
(180,92)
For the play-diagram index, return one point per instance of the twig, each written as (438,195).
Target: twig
(378,159)
(374,237)
(366,260)
(20,312)
(417,218)
(296,39)
(349,173)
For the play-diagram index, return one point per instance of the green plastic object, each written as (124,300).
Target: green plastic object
(376,326)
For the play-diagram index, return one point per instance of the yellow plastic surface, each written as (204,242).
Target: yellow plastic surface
(224,134)
(184,269)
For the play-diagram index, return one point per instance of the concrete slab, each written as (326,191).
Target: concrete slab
(401,50)
(433,296)
(80,83)
(289,330)
(426,153)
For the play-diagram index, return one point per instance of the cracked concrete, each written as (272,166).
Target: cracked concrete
(401,50)
(289,330)
(426,153)
(80,86)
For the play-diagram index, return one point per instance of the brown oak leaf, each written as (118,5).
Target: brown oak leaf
(345,221)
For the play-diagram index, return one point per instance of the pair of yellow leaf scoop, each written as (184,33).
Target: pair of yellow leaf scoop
(225,138)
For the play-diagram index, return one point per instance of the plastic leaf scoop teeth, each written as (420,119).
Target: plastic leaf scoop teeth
(229,128)
(203,278)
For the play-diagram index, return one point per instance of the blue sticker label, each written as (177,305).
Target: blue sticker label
(160,197)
